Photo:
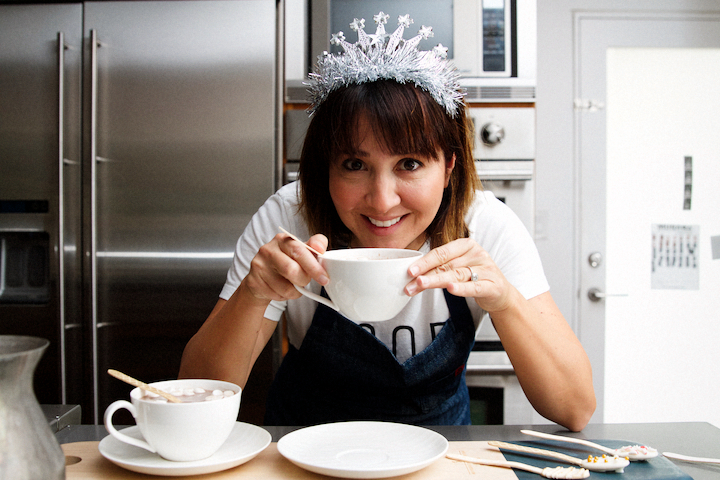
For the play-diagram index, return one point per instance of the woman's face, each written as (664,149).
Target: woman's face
(387,200)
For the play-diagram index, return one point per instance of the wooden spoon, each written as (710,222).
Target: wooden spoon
(137,383)
(594,464)
(631,452)
(547,472)
(303,243)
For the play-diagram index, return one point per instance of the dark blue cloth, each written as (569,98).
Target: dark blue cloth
(341,372)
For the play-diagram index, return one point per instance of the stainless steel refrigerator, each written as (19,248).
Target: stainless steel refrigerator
(136,140)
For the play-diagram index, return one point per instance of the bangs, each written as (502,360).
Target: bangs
(404,120)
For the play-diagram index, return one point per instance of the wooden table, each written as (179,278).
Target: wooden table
(695,439)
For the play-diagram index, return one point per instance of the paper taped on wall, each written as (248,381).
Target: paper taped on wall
(675,257)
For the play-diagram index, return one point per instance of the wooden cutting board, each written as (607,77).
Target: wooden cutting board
(84,462)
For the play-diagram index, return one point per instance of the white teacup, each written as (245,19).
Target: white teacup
(184,431)
(366,284)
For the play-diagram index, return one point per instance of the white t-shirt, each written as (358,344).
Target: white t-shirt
(492,224)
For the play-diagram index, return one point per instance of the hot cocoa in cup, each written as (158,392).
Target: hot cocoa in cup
(190,430)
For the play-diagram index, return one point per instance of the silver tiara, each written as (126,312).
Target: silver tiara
(387,57)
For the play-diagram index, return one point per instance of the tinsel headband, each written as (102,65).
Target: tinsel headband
(384,56)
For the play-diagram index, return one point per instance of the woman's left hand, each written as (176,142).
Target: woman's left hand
(549,361)
(453,266)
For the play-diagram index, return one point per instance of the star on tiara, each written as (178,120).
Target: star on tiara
(383,56)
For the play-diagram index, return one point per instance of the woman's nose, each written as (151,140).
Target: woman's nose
(383,194)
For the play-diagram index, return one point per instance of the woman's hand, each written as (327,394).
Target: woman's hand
(451,266)
(547,357)
(282,263)
(233,336)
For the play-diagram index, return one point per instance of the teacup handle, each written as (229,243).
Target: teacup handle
(317,298)
(121,436)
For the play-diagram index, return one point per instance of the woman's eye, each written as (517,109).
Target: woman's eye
(352,164)
(410,164)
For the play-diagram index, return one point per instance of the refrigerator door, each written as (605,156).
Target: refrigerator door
(40,106)
(180,120)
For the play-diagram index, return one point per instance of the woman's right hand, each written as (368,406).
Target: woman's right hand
(282,263)
(233,336)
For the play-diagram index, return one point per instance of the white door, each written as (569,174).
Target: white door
(646,129)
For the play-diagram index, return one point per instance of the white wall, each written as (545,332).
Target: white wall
(556,177)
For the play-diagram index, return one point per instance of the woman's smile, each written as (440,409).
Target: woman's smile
(386,223)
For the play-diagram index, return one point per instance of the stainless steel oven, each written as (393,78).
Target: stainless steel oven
(505,161)
(492,42)
(485,38)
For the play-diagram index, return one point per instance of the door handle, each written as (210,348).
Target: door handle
(61,207)
(595,294)
(93,217)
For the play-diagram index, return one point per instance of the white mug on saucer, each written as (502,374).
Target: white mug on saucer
(186,431)
(366,284)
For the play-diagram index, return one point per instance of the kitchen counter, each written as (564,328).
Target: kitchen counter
(693,438)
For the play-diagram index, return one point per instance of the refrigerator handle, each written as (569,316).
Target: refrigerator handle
(93,217)
(61,208)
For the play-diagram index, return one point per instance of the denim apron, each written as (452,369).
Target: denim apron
(341,372)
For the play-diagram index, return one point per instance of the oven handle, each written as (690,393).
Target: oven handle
(485,175)
(506,170)
(491,369)
(505,176)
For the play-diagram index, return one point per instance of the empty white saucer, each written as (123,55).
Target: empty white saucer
(363,449)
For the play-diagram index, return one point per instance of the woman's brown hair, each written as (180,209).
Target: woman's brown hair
(405,119)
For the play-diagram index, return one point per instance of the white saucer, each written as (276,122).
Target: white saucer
(244,443)
(363,449)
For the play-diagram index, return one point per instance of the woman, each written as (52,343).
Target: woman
(389,163)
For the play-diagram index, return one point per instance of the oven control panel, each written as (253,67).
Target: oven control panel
(504,133)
